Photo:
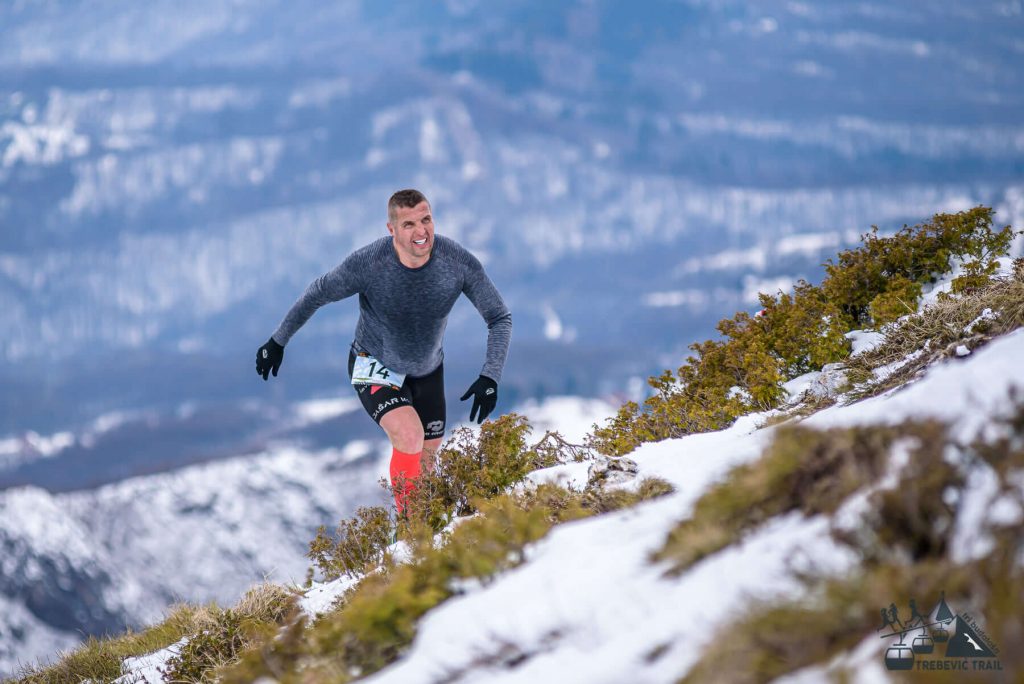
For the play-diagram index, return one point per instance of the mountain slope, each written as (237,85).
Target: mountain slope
(95,561)
(589,606)
(91,562)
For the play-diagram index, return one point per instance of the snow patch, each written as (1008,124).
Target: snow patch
(321,596)
(146,669)
(864,340)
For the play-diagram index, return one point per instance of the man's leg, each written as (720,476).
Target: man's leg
(428,399)
(405,432)
(404,429)
(430,447)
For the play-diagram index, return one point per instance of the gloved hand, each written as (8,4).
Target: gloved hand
(485,396)
(269,358)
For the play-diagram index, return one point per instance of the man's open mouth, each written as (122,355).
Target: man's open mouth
(420,242)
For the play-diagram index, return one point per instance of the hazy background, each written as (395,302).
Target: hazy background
(173,175)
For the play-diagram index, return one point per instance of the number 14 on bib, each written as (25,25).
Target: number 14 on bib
(369,371)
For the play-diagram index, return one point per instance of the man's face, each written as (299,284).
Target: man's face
(413,229)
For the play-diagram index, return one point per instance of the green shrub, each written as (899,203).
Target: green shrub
(377,620)
(804,331)
(477,465)
(553,449)
(919,254)
(599,499)
(700,400)
(358,543)
(470,467)
(899,299)
(560,504)
(744,370)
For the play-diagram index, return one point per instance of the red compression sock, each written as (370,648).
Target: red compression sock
(404,467)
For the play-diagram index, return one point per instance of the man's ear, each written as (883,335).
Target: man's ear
(391,229)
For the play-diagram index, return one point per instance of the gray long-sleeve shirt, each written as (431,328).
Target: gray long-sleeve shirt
(403,311)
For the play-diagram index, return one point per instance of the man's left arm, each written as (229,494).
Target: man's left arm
(485,297)
(487,300)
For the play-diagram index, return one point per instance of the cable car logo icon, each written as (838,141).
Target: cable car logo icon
(962,636)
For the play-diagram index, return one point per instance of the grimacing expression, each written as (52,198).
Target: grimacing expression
(413,230)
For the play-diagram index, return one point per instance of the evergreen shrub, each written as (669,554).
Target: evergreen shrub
(798,332)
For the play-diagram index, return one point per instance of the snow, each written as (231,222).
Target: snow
(319,598)
(672,298)
(795,387)
(569,475)
(146,669)
(864,340)
(553,328)
(983,317)
(965,393)
(883,372)
(862,665)
(591,584)
(199,534)
(31,446)
(591,581)
(589,606)
(967,544)
(42,144)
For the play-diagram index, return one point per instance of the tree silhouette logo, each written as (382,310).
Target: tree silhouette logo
(917,639)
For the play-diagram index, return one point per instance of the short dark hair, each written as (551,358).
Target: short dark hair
(407,199)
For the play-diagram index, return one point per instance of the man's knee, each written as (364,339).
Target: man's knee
(404,429)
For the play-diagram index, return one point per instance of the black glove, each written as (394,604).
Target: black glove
(269,358)
(485,395)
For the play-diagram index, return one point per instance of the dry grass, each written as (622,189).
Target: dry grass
(219,637)
(100,659)
(805,406)
(266,602)
(936,333)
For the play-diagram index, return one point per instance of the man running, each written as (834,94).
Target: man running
(407,285)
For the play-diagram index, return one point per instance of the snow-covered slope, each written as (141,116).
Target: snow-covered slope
(588,605)
(94,561)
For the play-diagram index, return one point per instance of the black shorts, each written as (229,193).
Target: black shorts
(425,394)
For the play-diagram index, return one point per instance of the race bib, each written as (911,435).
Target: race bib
(369,371)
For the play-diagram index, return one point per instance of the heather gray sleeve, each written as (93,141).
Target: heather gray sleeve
(481,291)
(343,281)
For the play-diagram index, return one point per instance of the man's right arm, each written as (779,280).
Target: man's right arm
(343,281)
